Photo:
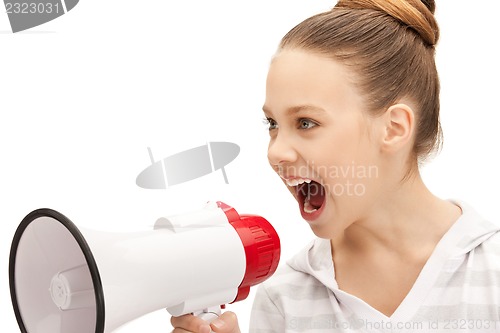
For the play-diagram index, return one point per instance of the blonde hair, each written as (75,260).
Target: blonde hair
(390,47)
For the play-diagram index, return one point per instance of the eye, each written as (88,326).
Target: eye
(271,123)
(305,123)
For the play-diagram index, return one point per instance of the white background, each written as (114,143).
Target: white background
(83,96)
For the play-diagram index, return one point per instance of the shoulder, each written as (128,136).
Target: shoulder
(294,283)
(476,252)
(291,282)
(489,249)
(472,232)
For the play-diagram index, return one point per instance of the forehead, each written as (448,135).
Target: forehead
(298,77)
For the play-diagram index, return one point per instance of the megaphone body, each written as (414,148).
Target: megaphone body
(69,280)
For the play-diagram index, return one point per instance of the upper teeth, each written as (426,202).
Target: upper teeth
(297,181)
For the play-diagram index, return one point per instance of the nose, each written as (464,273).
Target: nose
(281,151)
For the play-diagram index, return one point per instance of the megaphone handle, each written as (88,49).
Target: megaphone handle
(209,314)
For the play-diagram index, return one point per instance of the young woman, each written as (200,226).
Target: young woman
(352,103)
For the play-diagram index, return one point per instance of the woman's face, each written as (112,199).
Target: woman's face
(321,139)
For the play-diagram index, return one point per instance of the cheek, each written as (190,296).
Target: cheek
(349,159)
(344,145)
(357,140)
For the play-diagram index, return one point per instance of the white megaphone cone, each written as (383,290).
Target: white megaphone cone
(66,280)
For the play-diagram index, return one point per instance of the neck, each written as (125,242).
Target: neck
(408,220)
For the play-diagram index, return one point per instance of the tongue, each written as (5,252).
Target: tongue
(316,194)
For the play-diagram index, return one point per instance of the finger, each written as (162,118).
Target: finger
(180,330)
(206,329)
(226,323)
(190,323)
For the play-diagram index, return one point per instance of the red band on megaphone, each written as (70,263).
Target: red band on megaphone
(262,248)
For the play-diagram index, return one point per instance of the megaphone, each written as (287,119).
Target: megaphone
(69,280)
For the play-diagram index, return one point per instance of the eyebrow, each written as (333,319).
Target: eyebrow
(296,109)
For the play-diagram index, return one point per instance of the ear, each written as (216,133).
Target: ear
(399,127)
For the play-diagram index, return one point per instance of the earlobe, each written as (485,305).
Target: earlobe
(399,126)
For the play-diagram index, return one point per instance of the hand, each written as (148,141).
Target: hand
(226,323)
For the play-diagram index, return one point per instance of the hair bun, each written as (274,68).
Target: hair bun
(430,4)
(415,14)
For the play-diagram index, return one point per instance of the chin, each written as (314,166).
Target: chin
(321,221)
(322,232)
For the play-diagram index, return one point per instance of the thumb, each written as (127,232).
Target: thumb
(226,323)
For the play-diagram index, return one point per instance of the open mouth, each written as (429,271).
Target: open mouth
(311,197)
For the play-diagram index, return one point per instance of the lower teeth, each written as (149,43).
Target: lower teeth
(308,208)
